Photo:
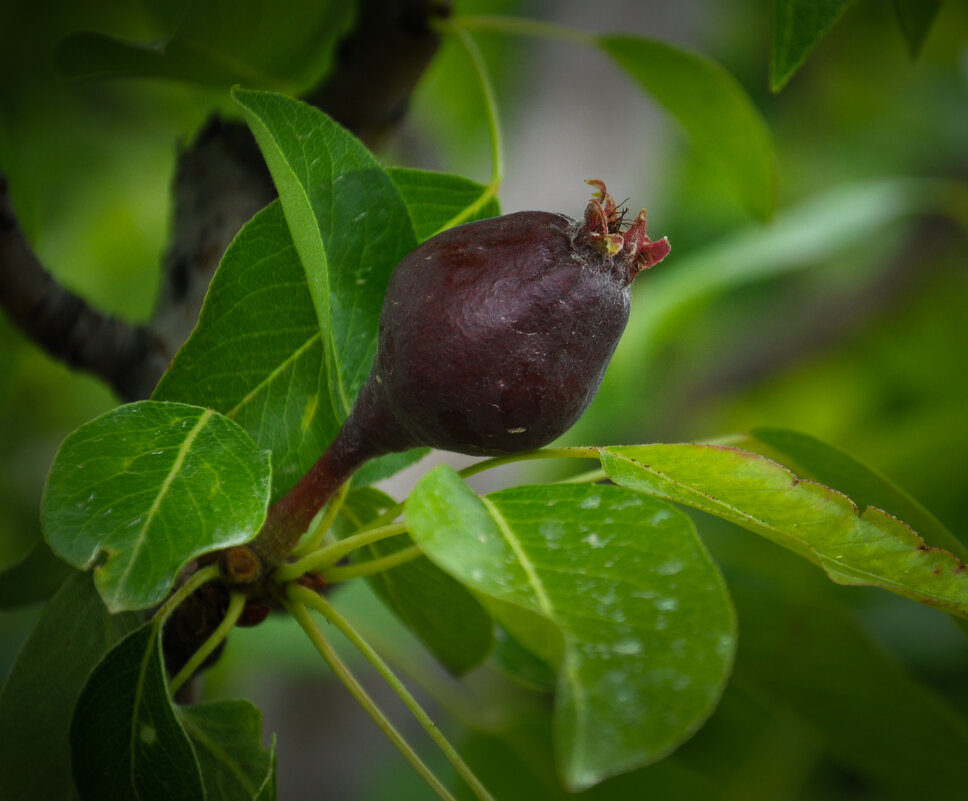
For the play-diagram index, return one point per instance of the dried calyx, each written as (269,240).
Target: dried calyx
(603,227)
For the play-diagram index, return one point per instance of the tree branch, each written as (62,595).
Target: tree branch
(378,66)
(220,182)
(65,325)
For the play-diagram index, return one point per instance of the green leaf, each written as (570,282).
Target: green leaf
(797,27)
(152,485)
(347,220)
(817,667)
(810,458)
(256,355)
(286,45)
(432,604)
(520,664)
(647,625)
(383,466)
(714,109)
(126,740)
(34,578)
(853,546)
(435,198)
(915,18)
(267,792)
(73,634)
(518,765)
(227,736)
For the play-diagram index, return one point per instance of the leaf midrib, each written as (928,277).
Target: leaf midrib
(298,191)
(264,384)
(183,450)
(220,754)
(138,694)
(568,667)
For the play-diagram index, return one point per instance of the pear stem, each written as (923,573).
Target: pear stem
(290,516)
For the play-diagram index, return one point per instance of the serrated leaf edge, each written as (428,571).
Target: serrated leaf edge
(837,571)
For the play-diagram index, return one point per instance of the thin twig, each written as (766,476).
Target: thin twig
(197,579)
(493,125)
(331,554)
(215,639)
(373,566)
(221,181)
(325,608)
(378,65)
(301,614)
(315,538)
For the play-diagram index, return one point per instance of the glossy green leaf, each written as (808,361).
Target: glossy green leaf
(348,223)
(74,632)
(34,578)
(853,545)
(151,485)
(432,604)
(126,740)
(256,355)
(797,27)
(647,625)
(818,668)
(286,45)
(435,198)
(227,736)
(810,458)
(915,18)
(711,106)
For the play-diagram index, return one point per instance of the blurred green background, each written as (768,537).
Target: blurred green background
(844,317)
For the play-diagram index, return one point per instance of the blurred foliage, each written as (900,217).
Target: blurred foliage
(862,347)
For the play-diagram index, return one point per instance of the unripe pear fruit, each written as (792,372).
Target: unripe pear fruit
(494,337)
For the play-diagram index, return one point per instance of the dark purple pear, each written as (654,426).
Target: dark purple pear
(494,337)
